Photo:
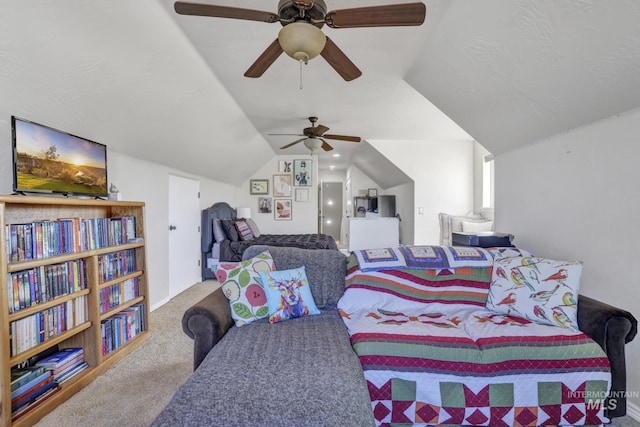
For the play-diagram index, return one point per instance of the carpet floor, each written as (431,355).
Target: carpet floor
(134,391)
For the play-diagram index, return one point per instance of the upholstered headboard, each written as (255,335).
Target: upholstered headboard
(220,210)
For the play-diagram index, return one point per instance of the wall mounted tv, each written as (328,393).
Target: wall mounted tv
(46,160)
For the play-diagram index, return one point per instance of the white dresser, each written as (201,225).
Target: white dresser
(371,233)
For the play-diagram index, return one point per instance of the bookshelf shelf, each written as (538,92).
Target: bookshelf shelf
(39,285)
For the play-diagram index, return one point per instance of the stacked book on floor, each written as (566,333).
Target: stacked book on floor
(30,386)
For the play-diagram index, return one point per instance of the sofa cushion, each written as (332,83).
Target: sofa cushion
(288,294)
(538,289)
(325,268)
(242,285)
(251,379)
(476,227)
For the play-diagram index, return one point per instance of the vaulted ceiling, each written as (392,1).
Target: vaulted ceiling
(170,89)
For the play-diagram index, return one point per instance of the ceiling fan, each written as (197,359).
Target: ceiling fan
(301,37)
(314,137)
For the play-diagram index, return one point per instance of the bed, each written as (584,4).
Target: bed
(216,249)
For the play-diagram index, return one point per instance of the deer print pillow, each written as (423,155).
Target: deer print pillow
(288,294)
(538,289)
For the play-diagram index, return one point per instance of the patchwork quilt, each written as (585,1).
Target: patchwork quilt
(432,354)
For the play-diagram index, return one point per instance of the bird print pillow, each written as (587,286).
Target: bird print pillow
(538,289)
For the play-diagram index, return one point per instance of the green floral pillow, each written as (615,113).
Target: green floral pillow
(242,285)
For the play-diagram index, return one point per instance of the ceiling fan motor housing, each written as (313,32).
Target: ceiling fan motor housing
(314,9)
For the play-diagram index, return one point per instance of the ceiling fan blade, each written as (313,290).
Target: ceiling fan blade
(199,9)
(339,61)
(378,16)
(325,145)
(265,60)
(293,143)
(319,130)
(343,138)
(285,134)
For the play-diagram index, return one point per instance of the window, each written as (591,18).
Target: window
(487,181)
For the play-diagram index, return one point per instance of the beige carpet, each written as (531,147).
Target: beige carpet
(135,390)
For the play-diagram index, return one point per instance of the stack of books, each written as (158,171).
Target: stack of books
(30,387)
(64,364)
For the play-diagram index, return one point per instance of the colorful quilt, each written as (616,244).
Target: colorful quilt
(432,354)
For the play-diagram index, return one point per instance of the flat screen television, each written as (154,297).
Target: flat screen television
(46,160)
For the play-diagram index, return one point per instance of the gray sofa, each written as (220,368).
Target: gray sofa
(303,371)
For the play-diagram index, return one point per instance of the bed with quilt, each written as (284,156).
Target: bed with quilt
(225,238)
(447,335)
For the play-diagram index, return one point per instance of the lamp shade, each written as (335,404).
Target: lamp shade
(301,40)
(244,213)
(313,143)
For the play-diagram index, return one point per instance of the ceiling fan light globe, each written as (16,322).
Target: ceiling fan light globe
(301,40)
(313,144)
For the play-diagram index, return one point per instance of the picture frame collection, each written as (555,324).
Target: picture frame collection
(290,183)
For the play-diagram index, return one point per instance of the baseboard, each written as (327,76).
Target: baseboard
(633,411)
(159,304)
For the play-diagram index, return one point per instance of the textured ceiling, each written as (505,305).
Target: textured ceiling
(170,89)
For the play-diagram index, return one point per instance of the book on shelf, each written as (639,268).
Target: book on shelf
(70,373)
(33,405)
(60,358)
(37,380)
(31,395)
(19,377)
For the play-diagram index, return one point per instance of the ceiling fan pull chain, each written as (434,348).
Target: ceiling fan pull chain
(300,61)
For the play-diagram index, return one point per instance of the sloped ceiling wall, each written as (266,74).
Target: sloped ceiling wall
(122,74)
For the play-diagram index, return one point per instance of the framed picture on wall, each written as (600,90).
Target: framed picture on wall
(302,172)
(282,185)
(259,186)
(302,194)
(264,204)
(285,166)
(282,212)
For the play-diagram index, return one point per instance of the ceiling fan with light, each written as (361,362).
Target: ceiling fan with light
(314,137)
(301,20)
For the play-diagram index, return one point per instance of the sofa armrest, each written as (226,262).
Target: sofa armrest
(206,322)
(611,328)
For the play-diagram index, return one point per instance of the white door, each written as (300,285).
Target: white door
(184,233)
(332,209)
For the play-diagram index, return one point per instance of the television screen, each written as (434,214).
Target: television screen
(51,161)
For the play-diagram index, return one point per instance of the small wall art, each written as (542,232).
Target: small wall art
(259,186)
(302,172)
(285,166)
(282,212)
(264,204)
(281,185)
(302,194)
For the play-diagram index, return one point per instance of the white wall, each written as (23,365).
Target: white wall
(304,214)
(443,180)
(577,196)
(405,208)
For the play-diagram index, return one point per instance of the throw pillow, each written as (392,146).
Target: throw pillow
(242,285)
(475,227)
(253,226)
(218,232)
(288,294)
(538,289)
(229,228)
(243,230)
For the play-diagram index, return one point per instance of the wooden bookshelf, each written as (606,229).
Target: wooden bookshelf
(88,334)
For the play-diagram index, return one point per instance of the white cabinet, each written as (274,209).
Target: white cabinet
(371,233)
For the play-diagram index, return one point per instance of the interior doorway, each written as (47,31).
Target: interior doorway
(184,233)
(331,209)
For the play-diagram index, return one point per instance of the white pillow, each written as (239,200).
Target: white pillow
(474,227)
(541,290)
